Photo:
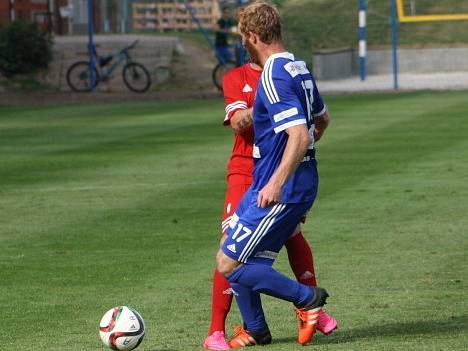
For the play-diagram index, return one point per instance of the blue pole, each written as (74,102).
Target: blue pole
(125,16)
(91,48)
(362,38)
(394,43)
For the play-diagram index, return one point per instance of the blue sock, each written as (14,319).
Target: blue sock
(264,279)
(250,307)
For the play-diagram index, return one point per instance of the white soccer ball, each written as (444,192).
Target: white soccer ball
(122,328)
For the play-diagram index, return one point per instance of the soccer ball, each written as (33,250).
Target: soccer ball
(122,328)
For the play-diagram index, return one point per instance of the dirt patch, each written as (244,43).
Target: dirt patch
(191,69)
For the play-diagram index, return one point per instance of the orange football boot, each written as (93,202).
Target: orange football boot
(244,338)
(308,316)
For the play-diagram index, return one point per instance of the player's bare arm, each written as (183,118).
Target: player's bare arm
(242,120)
(321,123)
(296,148)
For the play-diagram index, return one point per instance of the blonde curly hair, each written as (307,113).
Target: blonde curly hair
(262,19)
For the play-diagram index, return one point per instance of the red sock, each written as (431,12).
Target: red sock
(221,299)
(301,260)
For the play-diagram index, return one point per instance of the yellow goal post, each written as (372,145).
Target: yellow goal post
(404,18)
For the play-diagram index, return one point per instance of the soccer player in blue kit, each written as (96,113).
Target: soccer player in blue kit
(288,114)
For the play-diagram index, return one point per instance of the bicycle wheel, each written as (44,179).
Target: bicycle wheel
(78,77)
(136,77)
(219,71)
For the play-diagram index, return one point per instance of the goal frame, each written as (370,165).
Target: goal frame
(404,18)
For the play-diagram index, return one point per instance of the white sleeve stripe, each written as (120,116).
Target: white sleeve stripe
(265,81)
(228,115)
(235,105)
(290,124)
(286,114)
(318,114)
(272,86)
(236,102)
(236,108)
(269,87)
(233,110)
(269,83)
(273,89)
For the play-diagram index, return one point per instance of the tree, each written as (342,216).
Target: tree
(24,48)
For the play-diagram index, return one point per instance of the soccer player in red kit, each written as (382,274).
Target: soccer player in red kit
(239,89)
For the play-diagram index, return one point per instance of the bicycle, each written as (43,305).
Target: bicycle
(224,66)
(135,76)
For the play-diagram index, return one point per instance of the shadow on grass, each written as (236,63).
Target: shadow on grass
(343,336)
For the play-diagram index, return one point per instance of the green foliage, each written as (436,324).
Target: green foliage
(314,25)
(24,48)
(278,3)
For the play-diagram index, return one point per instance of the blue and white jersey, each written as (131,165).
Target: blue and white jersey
(287,96)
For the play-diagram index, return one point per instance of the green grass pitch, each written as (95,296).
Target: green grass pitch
(107,205)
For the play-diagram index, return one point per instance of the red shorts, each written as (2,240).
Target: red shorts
(233,196)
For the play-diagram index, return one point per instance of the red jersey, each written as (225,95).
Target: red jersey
(239,89)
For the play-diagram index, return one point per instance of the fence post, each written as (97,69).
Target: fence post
(91,48)
(362,38)
(125,16)
(394,20)
(11,10)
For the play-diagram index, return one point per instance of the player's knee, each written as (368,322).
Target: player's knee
(222,240)
(297,230)
(224,264)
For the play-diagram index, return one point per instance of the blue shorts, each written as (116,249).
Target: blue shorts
(257,234)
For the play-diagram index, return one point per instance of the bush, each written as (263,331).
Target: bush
(24,48)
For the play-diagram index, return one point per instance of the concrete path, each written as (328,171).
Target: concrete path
(407,82)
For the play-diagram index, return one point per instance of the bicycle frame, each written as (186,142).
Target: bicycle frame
(101,68)
(121,57)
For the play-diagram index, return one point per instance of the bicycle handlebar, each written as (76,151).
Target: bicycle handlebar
(131,46)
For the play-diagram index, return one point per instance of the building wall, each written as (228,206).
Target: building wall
(60,25)
(161,15)
(114,16)
(4,12)
(335,64)
(343,64)
(107,16)
(30,10)
(25,10)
